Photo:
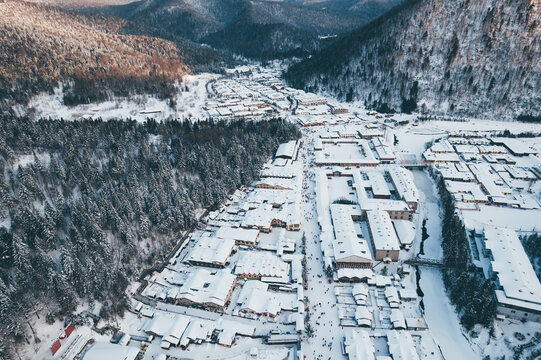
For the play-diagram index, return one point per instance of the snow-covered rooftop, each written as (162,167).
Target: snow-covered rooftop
(516,275)
(357,345)
(401,345)
(347,245)
(211,250)
(101,350)
(382,231)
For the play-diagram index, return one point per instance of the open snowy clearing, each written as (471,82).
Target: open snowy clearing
(189,104)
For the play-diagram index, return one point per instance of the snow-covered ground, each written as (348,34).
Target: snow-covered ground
(189,104)
(327,332)
(442,319)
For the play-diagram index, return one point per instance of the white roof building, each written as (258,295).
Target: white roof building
(360,293)
(455,171)
(378,184)
(212,251)
(346,152)
(518,287)
(405,231)
(207,287)
(169,326)
(442,146)
(363,316)
(279,183)
(355,274)
(404,184)
(367,203)
(287,150)
(516,146)
(174,334)
(257,264)
(466,191)
(391,294)
(397,319)
(348,247)
(382,231)
(401,345)
(265,215)
(238,234)
(384,151)
(274,171)
(102,350)
(255,297)
(357,345)
(198,329)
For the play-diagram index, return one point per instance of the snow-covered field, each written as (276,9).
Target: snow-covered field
(189,104)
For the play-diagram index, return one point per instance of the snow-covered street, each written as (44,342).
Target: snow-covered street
(326,335)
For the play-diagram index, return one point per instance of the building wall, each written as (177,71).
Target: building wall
(243,242)
(353,265)
(382,254)
(207,264)
(518,314)
(399,215)
(413,205)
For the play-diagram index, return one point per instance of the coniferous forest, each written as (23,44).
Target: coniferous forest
(469,291)
(87,206)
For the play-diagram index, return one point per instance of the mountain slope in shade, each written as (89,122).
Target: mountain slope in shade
(254,28)
(440,56)
(42,45)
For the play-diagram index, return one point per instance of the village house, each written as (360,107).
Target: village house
(207,289)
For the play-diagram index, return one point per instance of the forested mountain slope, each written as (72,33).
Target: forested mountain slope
(254,28)
(460,57)
(79,218)
(42,45)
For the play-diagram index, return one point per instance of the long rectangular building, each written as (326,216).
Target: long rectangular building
(240,235)
(350,250)
(357,345)
(346,152)
(518,290)
(405,187)
(384,240)
(258,265)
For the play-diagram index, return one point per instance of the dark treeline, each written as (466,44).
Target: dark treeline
(469,291)
(529,118)
(509,134)
(86,206)
(532,247)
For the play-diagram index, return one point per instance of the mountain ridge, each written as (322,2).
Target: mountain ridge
(283,29)
(94,54)
(436,56)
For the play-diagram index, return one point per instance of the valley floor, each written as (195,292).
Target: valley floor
(316,314)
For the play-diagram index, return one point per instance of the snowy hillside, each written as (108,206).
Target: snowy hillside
(439,56)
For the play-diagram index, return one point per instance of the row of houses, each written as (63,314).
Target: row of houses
(358,345)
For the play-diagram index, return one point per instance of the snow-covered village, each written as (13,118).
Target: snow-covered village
(270,179)
(358,241)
